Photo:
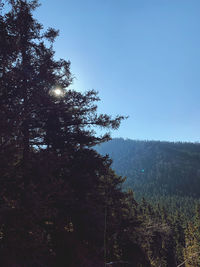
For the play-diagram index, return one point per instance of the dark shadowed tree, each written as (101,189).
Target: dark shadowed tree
(52,182)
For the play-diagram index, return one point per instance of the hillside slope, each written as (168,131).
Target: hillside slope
(157,170)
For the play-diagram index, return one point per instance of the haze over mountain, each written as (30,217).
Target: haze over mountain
(157,169)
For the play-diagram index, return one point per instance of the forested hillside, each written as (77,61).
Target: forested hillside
(164,171)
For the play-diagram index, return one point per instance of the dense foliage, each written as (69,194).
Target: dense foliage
(167,174)
(161,172)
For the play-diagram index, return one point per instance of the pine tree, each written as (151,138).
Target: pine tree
(53,182)
(191,251)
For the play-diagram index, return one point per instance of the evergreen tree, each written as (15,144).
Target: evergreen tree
(192,242)
(52,183)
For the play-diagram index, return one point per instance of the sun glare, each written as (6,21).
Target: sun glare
(58,92)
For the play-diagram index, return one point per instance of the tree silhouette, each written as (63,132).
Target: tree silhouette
(52,185)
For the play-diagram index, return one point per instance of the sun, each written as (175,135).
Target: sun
(58,92)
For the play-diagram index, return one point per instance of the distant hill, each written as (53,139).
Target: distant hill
(156,169)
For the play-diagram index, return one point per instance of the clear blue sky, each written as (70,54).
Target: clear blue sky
(143,56)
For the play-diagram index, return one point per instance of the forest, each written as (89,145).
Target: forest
(61,202)
(162,172)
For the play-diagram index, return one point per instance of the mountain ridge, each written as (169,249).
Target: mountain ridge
(157,170)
